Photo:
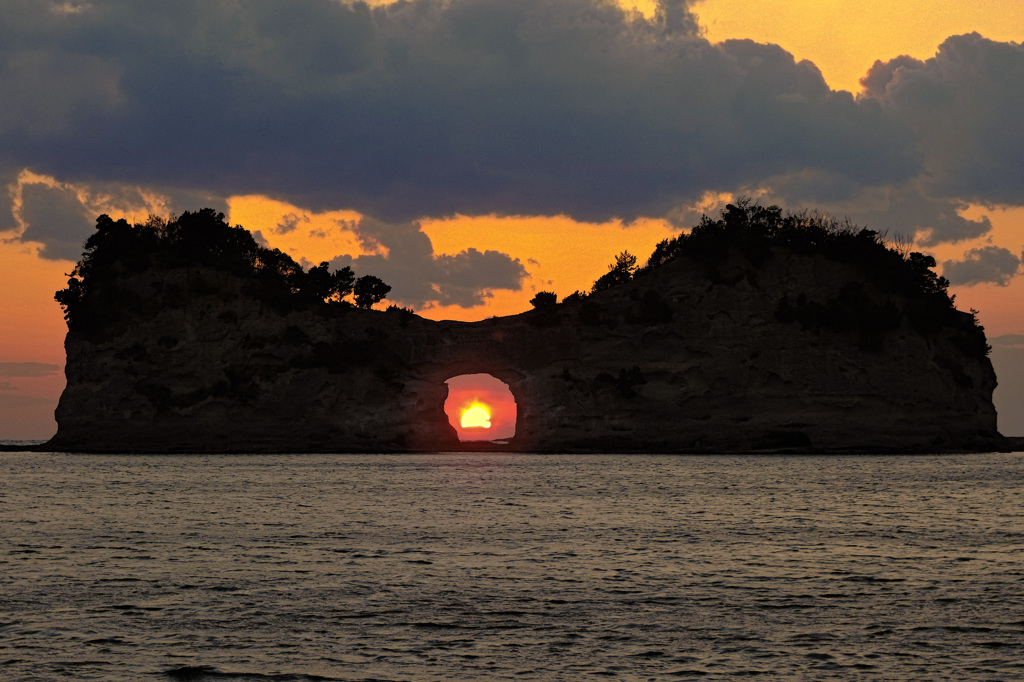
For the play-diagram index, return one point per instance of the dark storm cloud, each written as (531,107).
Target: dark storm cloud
(61,217)
(8,223)
(180,200)
(905,209)
(49,91)
(988,264)
(27,369)
(965,107)
(418,276)
(536,107)
(962,108)
(57,218)
(427,108)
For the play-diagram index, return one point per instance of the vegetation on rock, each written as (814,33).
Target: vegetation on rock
(96,294)
(621,271)
(544,299)
(899,287)
(740,336)
(906,286)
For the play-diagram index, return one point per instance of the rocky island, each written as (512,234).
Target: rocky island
(755,332)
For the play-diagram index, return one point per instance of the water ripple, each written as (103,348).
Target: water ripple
(500,566)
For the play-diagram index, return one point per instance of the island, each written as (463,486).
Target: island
(757,331)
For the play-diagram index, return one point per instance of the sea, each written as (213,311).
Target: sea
(503,566)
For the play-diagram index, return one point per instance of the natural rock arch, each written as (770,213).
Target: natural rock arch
(685,358)
(441,350)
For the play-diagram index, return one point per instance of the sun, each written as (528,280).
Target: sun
(476,416)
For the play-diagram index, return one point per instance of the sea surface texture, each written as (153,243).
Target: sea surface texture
(504,566)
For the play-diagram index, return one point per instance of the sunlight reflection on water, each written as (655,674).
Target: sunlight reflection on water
(494,566)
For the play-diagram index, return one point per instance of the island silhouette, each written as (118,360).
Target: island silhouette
(756,331)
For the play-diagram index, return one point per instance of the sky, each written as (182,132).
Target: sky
(473,152)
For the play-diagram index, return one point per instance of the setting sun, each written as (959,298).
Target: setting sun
(480,407)
(476,415)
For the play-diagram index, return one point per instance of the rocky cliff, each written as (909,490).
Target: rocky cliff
(779,350)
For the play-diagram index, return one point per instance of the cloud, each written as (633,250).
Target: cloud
(27,369)
(56,217)
(463,273)
(77,86)
(963,106)
(1008,342)
(9,401)
(290,222)
(418,277)
(61,216)
(908,208)
(428,108)
(8,188)
(988,264)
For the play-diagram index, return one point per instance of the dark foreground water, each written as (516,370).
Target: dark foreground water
(503,566)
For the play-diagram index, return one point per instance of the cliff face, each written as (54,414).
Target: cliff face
(685,358)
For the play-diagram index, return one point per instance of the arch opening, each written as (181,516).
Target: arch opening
(481,408)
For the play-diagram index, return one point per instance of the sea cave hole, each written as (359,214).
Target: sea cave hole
(481,408)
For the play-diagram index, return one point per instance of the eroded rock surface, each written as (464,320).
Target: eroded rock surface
(684,358)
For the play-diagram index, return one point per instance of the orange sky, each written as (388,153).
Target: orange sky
(31,330)
(553,262)
(843,39)
(563,265)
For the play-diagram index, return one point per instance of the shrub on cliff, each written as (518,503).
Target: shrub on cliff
(544,299)
(619,272)
(96,298)
(369,290)
(757,231)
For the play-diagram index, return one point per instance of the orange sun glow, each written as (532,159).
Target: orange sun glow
(476,415)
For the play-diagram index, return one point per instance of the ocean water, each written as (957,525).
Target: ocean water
(506,566)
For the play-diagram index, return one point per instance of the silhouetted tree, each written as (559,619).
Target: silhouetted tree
(277,268)
(71,300)
(921,266)
(755,232)
(320,284)
(544,299)
(574,296)
(344,282)
(369,290)
(97,295)
(205,239)
(619,272)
